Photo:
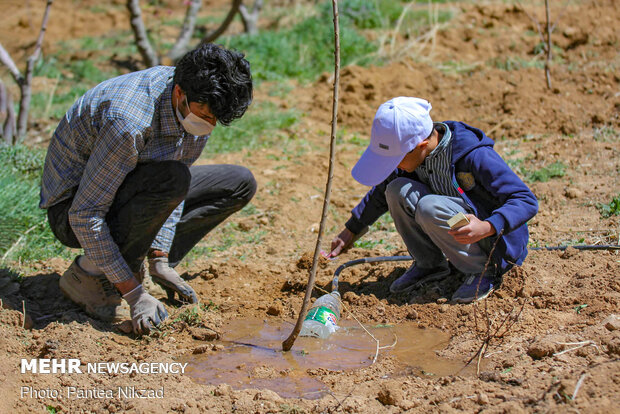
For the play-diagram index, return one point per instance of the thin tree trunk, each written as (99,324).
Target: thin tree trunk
(185,36)
(234,8)
(250,20)
(8,113)
(548,61)
(149,56)
(26,85)
(288,343)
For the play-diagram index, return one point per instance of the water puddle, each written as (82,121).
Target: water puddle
(252,356)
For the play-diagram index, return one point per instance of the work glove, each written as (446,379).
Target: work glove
(169,279)
(146,311)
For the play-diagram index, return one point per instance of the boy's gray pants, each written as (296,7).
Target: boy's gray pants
(420,218)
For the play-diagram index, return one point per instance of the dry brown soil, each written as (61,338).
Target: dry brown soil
(576,123)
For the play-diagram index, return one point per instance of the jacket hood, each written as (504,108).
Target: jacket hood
(466,138)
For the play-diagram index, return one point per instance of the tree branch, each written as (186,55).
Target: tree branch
(6,60)
(8,113)
(185,35)
(250,20)
(26,85)
(234,8)
(288,343)
(149,56)
(548,61)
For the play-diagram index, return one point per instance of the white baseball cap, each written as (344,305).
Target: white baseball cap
(399,126)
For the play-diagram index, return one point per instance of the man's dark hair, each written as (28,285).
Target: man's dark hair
(218,77)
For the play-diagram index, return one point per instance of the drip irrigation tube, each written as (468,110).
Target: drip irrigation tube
(403,258)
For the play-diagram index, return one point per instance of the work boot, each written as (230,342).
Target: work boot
(147,282)
(415,276)
(168,278)
(94,293)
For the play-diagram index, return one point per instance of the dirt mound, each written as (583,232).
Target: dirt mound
(511,99)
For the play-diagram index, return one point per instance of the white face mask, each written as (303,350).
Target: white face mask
(192,123)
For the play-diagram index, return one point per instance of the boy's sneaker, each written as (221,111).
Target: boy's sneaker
(476,287)
(416,275)
(94,293)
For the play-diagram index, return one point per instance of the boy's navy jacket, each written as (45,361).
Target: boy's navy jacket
(488,185)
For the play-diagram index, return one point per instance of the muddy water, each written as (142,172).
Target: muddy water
(252,356)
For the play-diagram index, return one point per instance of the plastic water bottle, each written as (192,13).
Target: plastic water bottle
(322,319)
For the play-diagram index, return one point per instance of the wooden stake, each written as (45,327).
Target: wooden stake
(288,343)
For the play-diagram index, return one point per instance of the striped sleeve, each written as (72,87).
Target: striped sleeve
(114,155)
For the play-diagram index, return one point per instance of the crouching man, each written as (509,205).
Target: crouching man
(118,181)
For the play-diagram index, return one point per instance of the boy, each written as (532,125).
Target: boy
(424,173)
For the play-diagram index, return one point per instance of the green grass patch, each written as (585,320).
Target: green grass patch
(544,174)
(605,134)
(514,63)
(367,243)
(303,51)
(262,126)
(457,68)
(610,209)
(365,14)
(24,233)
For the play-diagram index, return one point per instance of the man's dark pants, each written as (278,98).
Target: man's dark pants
(148,196)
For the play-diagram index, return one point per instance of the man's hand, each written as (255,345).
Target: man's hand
(169,279)
(344,241)
(146,311)
(473,232)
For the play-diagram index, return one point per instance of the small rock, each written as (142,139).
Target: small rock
(245,225)
(541,348)
(483,399)
(572,193)
(612,322)
(274,310)
(222,390)
(490,376)
(201,349)
(390,394)
(203,334)
(267,395)
(412,315)
(351,297)
(613,345)
(517,382)
(442,300)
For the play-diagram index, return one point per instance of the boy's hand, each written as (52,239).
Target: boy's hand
(342,242)
(473,232)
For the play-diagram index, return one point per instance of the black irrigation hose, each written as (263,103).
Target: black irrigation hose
(402,258)
(365,260)
(581,247)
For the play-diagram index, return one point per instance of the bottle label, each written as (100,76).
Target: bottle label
(323,315)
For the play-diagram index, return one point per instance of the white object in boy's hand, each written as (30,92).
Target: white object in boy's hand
(459,220)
